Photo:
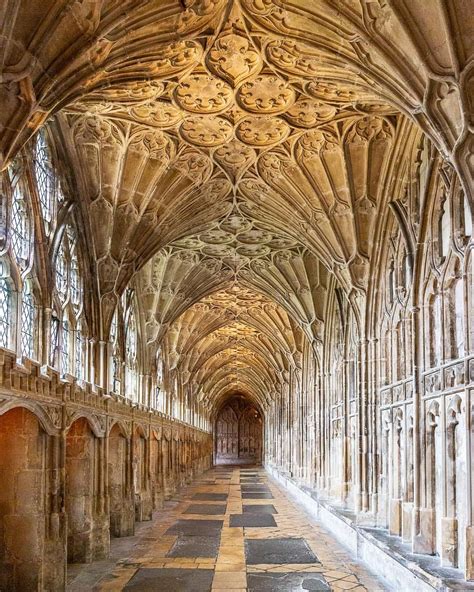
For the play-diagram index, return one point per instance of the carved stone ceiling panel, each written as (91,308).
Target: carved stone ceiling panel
(233,156)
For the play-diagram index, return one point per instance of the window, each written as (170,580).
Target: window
(131,358)
(68,294)
(5,307)
(20,229)
(28,322)
(79,352)
(115,353)
(54,339)
(45,182)
(65,347)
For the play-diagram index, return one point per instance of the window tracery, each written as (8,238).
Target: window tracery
(116,353)
(28,321)
(5,307)
(68,326)
(47,183)
(131,356)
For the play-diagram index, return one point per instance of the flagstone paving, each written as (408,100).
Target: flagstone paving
(250,545)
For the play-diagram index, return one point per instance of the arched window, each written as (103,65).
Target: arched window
(131,357)
(65,347)
(5,307)
(115,348)
(67,337)
(54,352)
(79,353)
(47,183)
(20,228)
(28,321)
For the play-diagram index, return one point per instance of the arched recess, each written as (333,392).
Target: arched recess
(32,547)
(121,501)
(87,522)
(141,474)
(238,434)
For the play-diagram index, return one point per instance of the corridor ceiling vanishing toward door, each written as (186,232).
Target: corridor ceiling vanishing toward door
(232,158)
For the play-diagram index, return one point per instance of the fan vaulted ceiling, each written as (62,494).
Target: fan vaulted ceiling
(232,157)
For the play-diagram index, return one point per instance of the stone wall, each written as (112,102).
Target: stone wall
(77,468)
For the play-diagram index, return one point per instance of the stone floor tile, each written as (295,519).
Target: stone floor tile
(195,546)
(207,509)
(182,545)
(196,527)
(252,520)
(286,582)
(258,508)
(171,580)
(278,551)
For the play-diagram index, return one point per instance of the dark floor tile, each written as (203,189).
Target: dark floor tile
(257,495)
(209,509)
(278,551)
(261,520)
(196,527)
(195,546)
(255,487)
(171,580)
(286,582)
(210,497)
(259,509)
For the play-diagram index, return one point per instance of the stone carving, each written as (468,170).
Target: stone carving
(262,131)
(206,131)
(233,59)
(266,94)
(203,94)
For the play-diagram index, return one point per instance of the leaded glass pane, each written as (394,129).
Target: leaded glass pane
(79,352)
(5,312)
(65,346)
(45,180)
(54,340)
(130,355)
(20,229)
(115,374)
(76,287)
(28,322)
(61,273)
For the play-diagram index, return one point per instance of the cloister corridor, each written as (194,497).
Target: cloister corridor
(236,295)
(231,529)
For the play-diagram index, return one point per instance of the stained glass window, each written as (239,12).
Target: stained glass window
(28,322)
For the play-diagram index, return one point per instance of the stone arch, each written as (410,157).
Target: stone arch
(122,514)
(97,427)
(27,467)
(48,422)
(88,524)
